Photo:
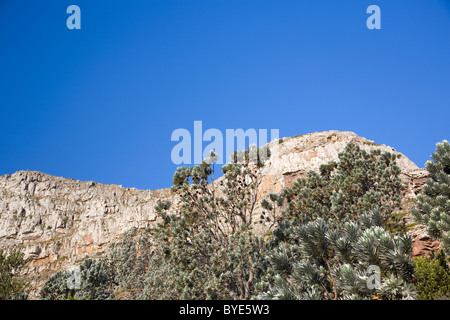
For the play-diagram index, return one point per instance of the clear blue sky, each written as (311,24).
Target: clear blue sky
(101,103)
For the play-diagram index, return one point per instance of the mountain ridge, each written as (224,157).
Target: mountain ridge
(58,222)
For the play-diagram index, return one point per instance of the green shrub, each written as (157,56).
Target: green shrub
(333,232)
(331,261)
(433,204)
(87,282)
(433,277)
(358,183)
(208,248)
(11,287)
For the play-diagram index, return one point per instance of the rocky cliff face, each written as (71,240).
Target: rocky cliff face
(59,222)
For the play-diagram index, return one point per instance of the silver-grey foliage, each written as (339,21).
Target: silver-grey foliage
(433,205)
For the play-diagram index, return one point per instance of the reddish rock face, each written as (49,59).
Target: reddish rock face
(424,245)
(291,177)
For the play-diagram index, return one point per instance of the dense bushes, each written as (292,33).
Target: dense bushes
(433,210)
(433,277)
(433,205)
(122,270)
(358,183)
(332,262)
(88,281)
(208,249)
(333,232)
(11,287)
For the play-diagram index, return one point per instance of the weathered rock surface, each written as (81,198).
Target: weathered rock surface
(424,245)
(59,222)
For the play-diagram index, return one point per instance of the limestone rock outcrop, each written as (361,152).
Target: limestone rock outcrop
(293,157)
(58,222)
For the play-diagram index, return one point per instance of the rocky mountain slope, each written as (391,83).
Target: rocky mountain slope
(59,222)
